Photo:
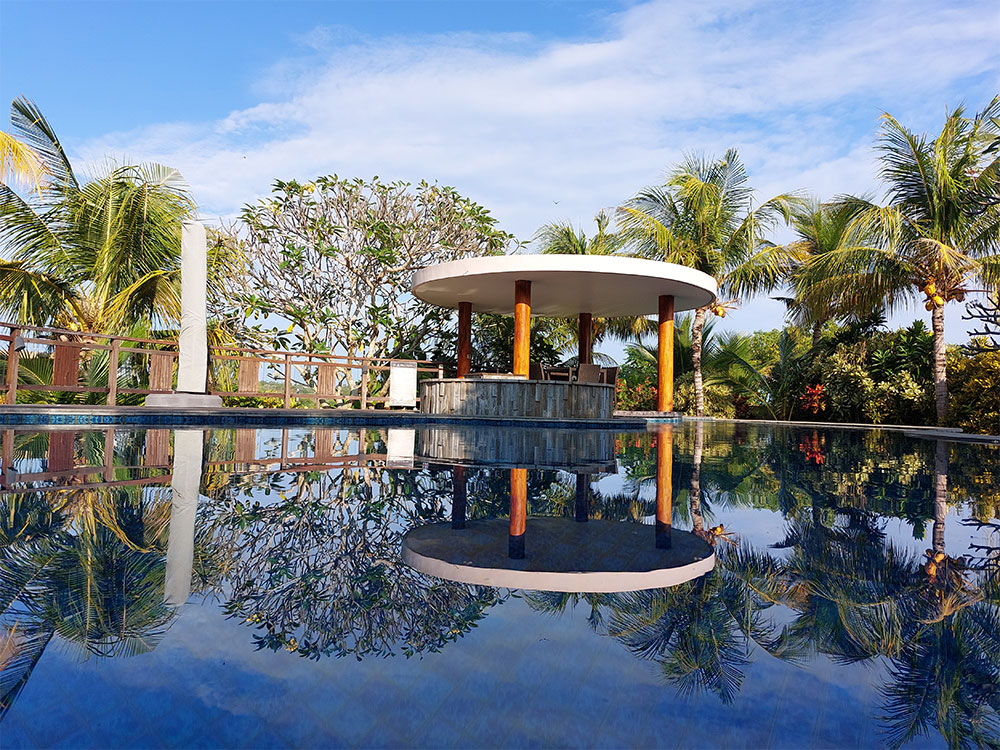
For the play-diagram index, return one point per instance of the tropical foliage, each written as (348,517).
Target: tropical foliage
(936,239)
(96,256)
(704,217)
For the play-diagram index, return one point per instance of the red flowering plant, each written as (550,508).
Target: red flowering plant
(635,396)
(812,446)
(814,399)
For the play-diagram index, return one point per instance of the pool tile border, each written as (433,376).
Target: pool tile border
(19,416)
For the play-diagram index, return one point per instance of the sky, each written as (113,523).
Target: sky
(540,111)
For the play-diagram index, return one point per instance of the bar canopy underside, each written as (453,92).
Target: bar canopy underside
(562,286)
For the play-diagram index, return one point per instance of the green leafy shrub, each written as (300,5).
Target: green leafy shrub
(847,386)
(974,389)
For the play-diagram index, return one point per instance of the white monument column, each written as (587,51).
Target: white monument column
(184,486)
(192,360)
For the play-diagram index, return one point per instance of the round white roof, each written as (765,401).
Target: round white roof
(562,286)
(560,555)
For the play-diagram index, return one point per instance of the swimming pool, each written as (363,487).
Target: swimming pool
(853,600)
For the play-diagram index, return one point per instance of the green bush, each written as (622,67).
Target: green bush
(974,390)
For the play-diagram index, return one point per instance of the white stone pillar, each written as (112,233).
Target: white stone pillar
(192,359)
(192,367)
(184,488)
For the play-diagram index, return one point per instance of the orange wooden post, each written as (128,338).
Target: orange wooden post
(464,338)
(518,512)
(664,485)
(665,365)
(586,337)
(522,327)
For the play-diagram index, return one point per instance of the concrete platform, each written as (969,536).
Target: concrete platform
(560,555)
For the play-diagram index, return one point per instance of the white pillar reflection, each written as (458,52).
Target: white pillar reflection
(188,446)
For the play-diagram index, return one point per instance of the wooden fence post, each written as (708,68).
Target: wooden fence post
(12,356)
(364,385)
(109,455)
(288,381)
(116,346)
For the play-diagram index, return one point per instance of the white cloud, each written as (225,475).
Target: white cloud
(552,131)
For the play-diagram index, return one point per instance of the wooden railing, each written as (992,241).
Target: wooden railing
(63,470)
(338,380)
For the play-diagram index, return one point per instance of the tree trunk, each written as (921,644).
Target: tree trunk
(694,496)
(817,332)
(940,373)
(940,494)
(696,341)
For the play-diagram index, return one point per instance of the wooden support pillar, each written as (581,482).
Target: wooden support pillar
(157,451)
(459,497)
(586,337)
(324,445)
(664,485)
(518,512)
(109,455)
(464,338)
(61,450)
(665,365)
(246,446)
(7,459)
(522,327)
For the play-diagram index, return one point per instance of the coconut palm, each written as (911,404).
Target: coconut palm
(562,238)
(703,217)
(19,164)
(938,236)
(100,256)
(820,228)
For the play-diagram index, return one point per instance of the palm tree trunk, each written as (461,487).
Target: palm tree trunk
(817,332)
(696,342)
(940,494)
(940,372)
(694,496)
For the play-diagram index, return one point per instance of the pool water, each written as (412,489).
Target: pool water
(246,588)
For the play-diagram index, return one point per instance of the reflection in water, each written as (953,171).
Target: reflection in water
(298,537)
(183,510)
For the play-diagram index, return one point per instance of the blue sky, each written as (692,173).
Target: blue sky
(542,111)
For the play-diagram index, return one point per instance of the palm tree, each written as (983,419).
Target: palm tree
(938,235)
(703,218)
(821,228)
(561,238)
(101,256)
(19,163)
